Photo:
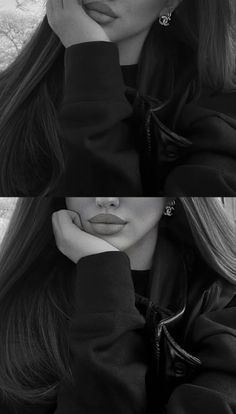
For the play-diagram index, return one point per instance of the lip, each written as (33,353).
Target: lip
(101,8)
(111,219)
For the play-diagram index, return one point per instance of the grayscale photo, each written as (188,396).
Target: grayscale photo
(117,206)
(122,97)
(118,305)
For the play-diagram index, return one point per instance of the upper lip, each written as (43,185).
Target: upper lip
(100,7)
(107,219)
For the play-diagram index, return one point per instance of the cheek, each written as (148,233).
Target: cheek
(135,232)
(78,204)
(148,211)
(146,220)
(142,229)
(73,203)
(69,203)
(136,18)
(144,12)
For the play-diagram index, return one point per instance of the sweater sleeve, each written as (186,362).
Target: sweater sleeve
(213,390)
(106,343)
(96,126)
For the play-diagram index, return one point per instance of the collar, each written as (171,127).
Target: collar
(167,288)
(168,279)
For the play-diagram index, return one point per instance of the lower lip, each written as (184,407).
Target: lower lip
(107,229)
(100,17)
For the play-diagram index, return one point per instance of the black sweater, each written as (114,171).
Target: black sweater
(108,151)
(96,124)
(109,353)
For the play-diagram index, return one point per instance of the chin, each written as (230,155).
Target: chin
(118,244)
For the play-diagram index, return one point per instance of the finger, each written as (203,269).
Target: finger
(55,226)
(53,11)
(59,219)
(62,224)
(78,222)
(53,6)
(49,7)
(68,218)
(63,220)
(57,4)
(75,217)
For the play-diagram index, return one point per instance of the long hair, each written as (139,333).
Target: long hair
(31,88)
(31,155)
(35,305)
(213,33)
(214,233)
(36,285)
(201,36)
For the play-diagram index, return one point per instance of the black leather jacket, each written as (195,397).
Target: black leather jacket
(171,352)
(186,147)
(130,144)
(183,293)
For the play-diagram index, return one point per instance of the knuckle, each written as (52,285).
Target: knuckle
(55,20)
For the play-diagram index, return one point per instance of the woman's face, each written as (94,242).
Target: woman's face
(122,221)
(132,16)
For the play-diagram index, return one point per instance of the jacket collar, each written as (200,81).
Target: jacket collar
(168,279)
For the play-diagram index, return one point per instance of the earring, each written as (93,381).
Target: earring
(165,19)
(169,209)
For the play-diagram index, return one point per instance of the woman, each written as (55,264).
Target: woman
(135,96)
(118,305)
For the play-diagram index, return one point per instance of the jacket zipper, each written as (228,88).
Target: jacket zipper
(157,334)
(148,133)
(165,321)
(182,351)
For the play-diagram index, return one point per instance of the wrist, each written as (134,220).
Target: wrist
(105,249)
(100,248)
(71,42)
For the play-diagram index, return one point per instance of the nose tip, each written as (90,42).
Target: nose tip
(107,202)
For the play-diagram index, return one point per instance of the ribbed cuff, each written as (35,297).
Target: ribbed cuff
(104,283)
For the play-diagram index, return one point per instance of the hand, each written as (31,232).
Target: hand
(71,24)
(72,241)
